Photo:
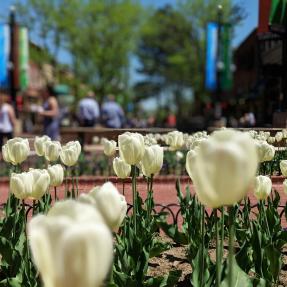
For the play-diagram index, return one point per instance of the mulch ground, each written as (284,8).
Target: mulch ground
(175,259)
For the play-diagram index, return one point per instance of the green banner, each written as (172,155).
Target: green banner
(226,58)
(278,13)
(23,58)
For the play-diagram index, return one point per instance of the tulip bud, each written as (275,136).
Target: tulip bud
(111,204)
(262,188)
(283,167)
(279,136)
(70,249)
(285,186)
(131,146)
(70,153)
(265,151)
(271,140)
(152,160)
(121,168)
(179,155)
(21,185)
(40,144)
(190,158)
(224,167)
(52,150)
(41,182)
(110,148)
(175,140)
(32,184)
(16,150)
(56,173)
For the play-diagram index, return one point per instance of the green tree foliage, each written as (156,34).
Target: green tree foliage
(99,37)
(172,51)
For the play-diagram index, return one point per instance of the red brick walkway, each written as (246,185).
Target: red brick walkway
(164,189)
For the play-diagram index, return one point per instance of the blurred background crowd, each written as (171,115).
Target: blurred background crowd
(141,64)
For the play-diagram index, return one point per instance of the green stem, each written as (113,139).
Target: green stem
(261,203)
(123,187)
(218,259)
(222,234)
(202,246)
(66,181)
(134,189)
(73,184)
(55,193)
(231,248)
(77,182)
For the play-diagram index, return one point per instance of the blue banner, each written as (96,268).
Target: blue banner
(4,55)
(211,56)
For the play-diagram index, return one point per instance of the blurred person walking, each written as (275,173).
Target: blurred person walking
(112,113)
(7,118)
(50,112)
(88,111)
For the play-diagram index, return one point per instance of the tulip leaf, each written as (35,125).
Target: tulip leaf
(275,261)
(12,282)
(200,264)
(240,278)
(168,280)
(173,232)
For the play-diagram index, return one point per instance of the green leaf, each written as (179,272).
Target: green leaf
(169,280)
(240,278)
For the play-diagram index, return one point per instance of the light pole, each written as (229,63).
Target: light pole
(219,65)
(12,58)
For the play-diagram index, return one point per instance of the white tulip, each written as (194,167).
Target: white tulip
(52,150)
(40,144)
(262,188)
(285,186)
(283,167)
(30,185)
(21,185)
(69,251)
(279,136)
(16,150)
(179,155)
(152,160)
(70,153)
(110,148)
(110,203)
(41,182)
(224,167)
(284,132)
(190,158)
(265,151)
(121,168)
(175,140)
(56,173)
(131,146)
(271,140)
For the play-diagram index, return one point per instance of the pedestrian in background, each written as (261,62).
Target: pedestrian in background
(50,112)
(112,113)
(7,118)
(88,111)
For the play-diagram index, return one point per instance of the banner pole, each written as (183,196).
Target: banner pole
(12,87)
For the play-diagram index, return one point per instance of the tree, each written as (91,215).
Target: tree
(172,51)
(99,37)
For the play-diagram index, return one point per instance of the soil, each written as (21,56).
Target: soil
(175,259)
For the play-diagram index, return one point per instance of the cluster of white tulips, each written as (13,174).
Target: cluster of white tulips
(72,244)
(34,183)
(134,152)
